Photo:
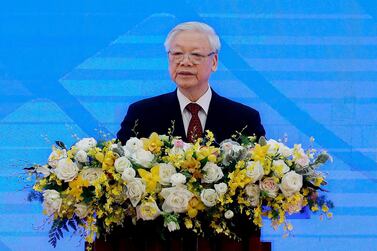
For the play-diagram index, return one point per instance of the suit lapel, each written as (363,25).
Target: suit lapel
(213,112)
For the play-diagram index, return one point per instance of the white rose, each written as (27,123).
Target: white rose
(273,146)
(300,157)
(55,156)
(143,157)
(254,170)
(226,146)
(91,174)
(212,173)
(253,193)
(121,163)
(147,210)
(281,163)
(166,171)
(81,210)
(128,174)
(278,147)
(135,191)
(178,143)
(291,183)
(221,188)
(43,170)
(181,144)
(179,147)
(133,144)
(269,186)
(66,170)
(86,143)
(127,153)
(230,146)
(81,156)
(177,179)
(176,151)
(176,199)
(209,197)
(237,148)
(229,214)
(284,150)
(231,150)
(113,147)
(172,226)
(51,201)
(303,161)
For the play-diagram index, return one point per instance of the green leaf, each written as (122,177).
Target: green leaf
(88,194)
(322,158)
(204,161)
(262,141)
(56,232)
(72,224)
(60,232)
(244,140)
(35,196)
(65,227)
(60,144)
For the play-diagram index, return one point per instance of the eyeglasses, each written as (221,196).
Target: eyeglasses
(194,57)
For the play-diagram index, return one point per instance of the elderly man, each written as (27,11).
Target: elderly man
(192,49)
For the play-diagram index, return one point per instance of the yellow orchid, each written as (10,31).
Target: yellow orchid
(209,152)
(259,153)
(210,137)
(258,216)
(153,143)
(314,208)
(108,161)
(193,166)
(76,186)
(151,178)
(99,156)
(188,223)
(195,205)
(238,179)
(318,181)
(175,159)
(325,208)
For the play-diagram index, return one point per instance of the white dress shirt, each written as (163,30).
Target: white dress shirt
(203,101)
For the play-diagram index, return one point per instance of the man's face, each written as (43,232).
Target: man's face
(187,73)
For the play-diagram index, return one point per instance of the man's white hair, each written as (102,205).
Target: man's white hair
(213,38)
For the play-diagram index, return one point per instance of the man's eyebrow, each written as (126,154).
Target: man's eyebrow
(178,46)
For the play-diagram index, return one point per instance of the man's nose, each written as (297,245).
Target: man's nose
(186,60)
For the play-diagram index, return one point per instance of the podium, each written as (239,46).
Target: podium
(146,236)
(189,244)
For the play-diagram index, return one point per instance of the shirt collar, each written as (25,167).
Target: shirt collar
(203,101)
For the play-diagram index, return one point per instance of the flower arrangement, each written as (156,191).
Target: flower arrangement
(201,187)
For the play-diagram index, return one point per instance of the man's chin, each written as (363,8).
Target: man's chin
(185,85)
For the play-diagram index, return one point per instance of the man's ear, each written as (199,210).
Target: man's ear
(215,60)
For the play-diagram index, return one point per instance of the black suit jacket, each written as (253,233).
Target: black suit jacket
(155,114)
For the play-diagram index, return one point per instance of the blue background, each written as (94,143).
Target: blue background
(309,67)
